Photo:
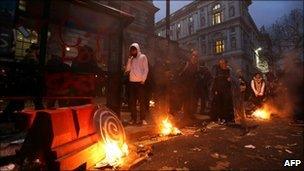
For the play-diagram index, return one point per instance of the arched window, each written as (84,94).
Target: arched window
(203,21)
(217,16)
(231,12)
(178,31)
(219,46)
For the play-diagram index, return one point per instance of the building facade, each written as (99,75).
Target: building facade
(217,29)
(141,30)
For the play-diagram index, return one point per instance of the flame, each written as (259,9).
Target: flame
(114,154)
(168,129)
(262,114)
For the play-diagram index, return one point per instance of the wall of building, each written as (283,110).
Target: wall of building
(237,31)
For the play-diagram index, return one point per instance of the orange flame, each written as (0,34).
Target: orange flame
(114,154)
(262,113)
(168,129)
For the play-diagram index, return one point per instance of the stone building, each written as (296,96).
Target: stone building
(217,29)
(141,30)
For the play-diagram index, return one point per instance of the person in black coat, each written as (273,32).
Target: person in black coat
(222,105)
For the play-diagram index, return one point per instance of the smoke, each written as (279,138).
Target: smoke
(289,98)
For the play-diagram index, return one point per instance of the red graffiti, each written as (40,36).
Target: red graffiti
(66,83)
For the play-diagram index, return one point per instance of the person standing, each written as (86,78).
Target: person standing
(189,77)
(203,85)
(222,105)
(138,69)
(240,90)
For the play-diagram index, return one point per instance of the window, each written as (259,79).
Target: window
(203,21)
(190,19)
(231,11)
(203,49)
(216,7)
(190,26)
(23,43)
(178,31)
(233,43)
(22,5)
(232,30)
(217,18)
(219,46)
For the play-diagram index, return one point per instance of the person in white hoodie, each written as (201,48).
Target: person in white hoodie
(137,67)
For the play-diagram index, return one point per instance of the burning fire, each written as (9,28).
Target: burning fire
(168,129)
(262,114)
(114,154)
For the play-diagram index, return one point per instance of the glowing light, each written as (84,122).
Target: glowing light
(168,129)
(261,114)
(114,154)
(151,103)
(67,48)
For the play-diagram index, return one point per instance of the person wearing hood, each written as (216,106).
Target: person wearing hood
(138,69)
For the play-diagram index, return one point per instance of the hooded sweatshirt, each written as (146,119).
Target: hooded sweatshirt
(138,66)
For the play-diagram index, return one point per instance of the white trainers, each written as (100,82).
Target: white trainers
(144,122)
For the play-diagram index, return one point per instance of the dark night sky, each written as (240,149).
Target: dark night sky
(263,12)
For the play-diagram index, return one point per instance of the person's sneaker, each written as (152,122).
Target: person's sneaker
(144,122)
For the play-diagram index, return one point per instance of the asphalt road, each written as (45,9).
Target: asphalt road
(220,147)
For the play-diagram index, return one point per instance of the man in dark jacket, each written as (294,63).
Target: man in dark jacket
(222,105)
(203,85)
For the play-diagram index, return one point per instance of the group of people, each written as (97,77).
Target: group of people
(220,92)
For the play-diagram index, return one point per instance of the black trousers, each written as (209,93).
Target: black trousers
(137,93)
(222,106)
(203,96)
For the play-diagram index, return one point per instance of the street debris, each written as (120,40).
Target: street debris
(175,151)
(268,146)
(195,135)
(250,146)
(223,128)
(189,130)
(196,149)
(279,147)
(281,137)
(292,145)
(186,162)
(251,134)
(220,165)
(215,155)
(212,125)
(288,151)
(174,168)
